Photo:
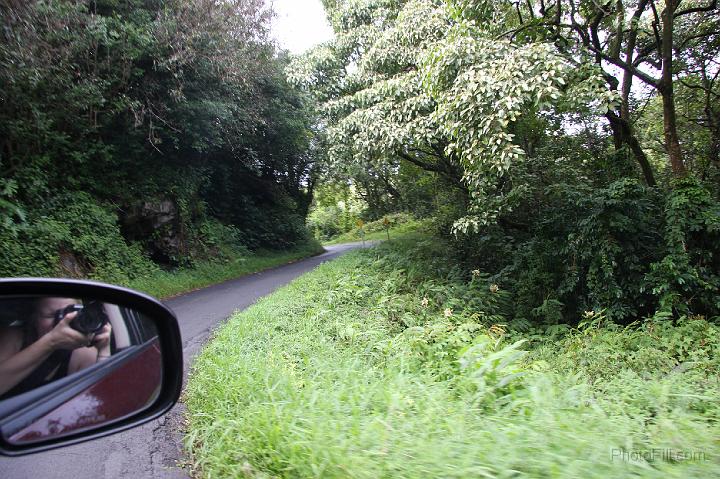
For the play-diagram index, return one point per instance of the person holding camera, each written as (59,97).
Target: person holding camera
(48,347)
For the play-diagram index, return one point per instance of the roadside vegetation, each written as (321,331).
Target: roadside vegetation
(387,227)
(556,312)
(376,234)
(541,156)
(397,362)
(145,137)
(164,283)
(559,318)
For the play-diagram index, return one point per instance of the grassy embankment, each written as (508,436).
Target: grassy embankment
(399,226)
(389,362)
(164,284)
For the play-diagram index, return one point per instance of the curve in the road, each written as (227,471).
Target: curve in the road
(153,450)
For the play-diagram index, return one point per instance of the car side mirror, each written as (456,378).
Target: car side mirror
(81,360)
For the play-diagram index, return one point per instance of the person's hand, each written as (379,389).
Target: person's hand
(63,336)
(101,341)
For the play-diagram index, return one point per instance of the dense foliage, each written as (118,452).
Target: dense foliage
(396,362)
(141,132)
(569,148)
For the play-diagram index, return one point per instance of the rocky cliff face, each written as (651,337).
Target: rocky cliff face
(158,225)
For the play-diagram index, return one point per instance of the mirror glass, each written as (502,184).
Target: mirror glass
(69,365)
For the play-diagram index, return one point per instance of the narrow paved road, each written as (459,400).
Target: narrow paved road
(153,450)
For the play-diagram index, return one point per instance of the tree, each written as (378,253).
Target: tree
(370,82)
(639,38)
(532,109)
(150,108)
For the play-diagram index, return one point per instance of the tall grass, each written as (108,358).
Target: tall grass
(391,363)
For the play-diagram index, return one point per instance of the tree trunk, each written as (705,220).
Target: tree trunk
(672,140)
(713,120)
(620,124)
(623,134)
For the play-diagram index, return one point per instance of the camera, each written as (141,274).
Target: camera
(91,316)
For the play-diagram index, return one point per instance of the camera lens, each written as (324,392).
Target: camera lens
(88,323)
(91,318)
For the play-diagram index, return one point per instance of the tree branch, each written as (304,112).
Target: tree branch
(707,8)
(698,87)
(655,26)
(437,168)
(653,82)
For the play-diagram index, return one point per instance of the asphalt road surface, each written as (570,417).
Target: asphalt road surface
(153,450)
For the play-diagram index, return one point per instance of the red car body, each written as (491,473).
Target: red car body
(120,393)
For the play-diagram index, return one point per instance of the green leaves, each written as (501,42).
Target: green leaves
(687,278)
(369,82)
(134,102)
(406,78)
(482,86)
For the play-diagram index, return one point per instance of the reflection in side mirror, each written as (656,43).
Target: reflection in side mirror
(72,365)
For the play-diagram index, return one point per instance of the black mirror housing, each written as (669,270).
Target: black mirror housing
(17,412)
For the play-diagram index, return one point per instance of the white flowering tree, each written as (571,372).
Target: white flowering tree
(482,86)
(370,83)
(426,82)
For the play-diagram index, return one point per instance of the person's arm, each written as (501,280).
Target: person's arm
(16,365)
(99,351)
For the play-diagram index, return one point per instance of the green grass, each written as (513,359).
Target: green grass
(164,284)
(389,362)
(396,231)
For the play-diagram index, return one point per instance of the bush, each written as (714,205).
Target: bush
(74,237)
(276,229)
(624,248)
(590,250)
(687,279)
(328,221)
(216,240)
